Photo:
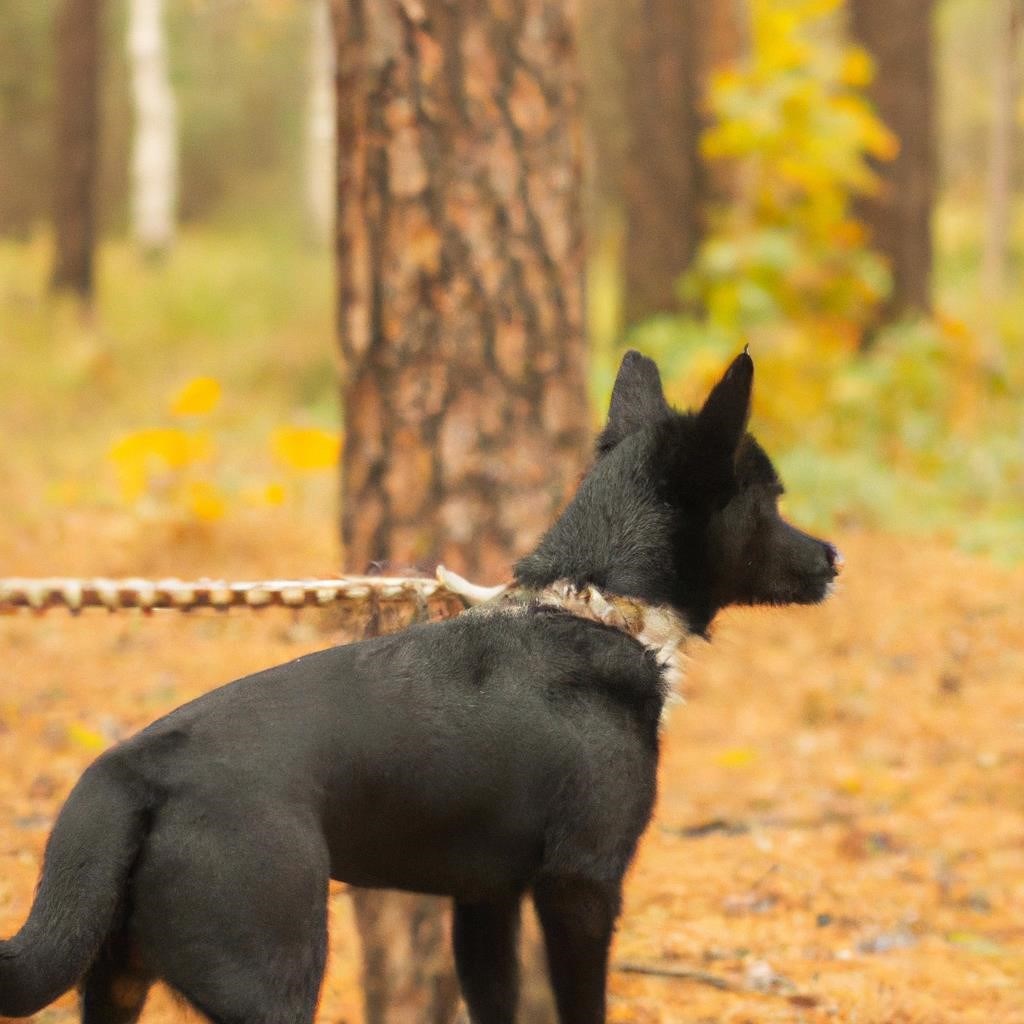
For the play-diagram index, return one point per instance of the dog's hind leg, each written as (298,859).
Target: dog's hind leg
(486,940)
(272,975)
(578,919)
(230,909)
(115,988)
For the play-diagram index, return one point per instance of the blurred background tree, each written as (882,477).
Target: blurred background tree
(898,35)
(669,49)
(154,179)
(77,55)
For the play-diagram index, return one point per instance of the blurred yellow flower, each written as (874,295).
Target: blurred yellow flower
(205,501)
(274,494)
(306,448)
(141,452)
(197,398)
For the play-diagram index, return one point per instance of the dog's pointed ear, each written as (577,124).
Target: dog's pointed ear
(723,420)
(637,400)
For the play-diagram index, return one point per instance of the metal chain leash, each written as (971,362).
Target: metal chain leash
(43,594)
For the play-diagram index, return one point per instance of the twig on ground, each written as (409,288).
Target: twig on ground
(739,827)
(663,970)
(676,971)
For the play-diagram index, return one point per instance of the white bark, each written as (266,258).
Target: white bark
(320,128)
(155,143)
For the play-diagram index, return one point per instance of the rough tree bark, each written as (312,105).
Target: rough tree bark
(155,138)
(76,102)
(898,35)
(460,324)
(671,49)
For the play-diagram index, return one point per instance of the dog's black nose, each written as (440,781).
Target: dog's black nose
(835,558)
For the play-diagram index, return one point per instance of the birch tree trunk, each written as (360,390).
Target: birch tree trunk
(76,102)
(320,140)
(460,270)
(155,141)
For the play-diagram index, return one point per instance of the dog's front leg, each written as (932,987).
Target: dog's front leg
(578,918)
(486,941)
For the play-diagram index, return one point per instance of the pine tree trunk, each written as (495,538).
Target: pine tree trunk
(671,49)
(155,140)
(898,35)
(460,325)
(76,102)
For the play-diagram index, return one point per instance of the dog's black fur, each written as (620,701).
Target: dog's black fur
(498,753)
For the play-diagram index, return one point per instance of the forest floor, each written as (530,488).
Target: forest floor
(840,831)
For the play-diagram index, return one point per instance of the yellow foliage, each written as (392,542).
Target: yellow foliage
(198,397)
(170,471)
(856,69)
(139,455)
(798,134)
(306,449)
(205,502)
(274,494)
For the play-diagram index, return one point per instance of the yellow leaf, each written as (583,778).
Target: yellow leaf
(736,757)
(851,785)
(857,68)
(197,398)
(86,737)
(306,449)
(205,501)
(274,494)
(953,327)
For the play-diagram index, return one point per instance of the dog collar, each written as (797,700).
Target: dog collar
(657,628)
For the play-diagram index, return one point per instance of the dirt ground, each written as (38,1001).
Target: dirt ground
(840,833)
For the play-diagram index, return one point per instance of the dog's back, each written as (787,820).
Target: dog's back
(426,757)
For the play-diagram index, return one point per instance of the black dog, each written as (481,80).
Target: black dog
(510,750)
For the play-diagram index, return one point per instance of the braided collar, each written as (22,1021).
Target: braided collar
(657,628)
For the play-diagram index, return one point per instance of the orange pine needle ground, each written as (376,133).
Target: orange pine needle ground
(840,834)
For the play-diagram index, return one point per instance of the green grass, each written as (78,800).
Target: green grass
(926,436)
(249,308)
(254,309)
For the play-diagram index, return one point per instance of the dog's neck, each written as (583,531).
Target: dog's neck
(657,628)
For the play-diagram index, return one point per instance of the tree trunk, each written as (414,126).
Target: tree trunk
(898,35)
(460,325)
(76,102)
(1007,26)
(671,50)
(320,145)
(155,140)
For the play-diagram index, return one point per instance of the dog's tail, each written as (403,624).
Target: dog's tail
(88,858)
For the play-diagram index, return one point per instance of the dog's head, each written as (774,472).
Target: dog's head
(682,508)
